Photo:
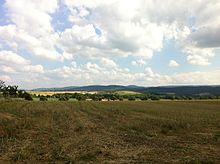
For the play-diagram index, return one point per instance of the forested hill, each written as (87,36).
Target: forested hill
(96,88)
(178,90)
(186,90)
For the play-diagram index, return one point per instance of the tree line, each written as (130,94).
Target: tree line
(9,91)
(114,96)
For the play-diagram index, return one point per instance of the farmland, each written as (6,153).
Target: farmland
(50,93)
(110,132)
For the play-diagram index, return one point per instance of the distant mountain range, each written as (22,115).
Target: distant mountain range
(96,88)
(178,90)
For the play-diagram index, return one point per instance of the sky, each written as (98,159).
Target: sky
(56,43)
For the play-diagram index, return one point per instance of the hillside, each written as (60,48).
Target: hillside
(178,90)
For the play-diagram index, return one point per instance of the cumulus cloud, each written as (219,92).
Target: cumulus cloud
(16,70)
(139,62)
(8,57)
(108,63)
(125,27)
(173,63)
(119,33)
(139,28)
(107,31)
(91,73)
(11,63)
(32,16)
(31,29)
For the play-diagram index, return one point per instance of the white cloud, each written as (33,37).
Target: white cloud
(106,31)
(136,28)
(173,63)
(91,73)
(122,36)
(12,58)
(16,70)
(32,16)
(139,62)
(7,69)
(34,69)
(67,56)
(108,63)
(139,28)
(199,56)
(197,78)
(31,29)
(13,63)
(18,39)
(5,78)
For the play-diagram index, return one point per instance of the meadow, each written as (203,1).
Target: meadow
(110,132)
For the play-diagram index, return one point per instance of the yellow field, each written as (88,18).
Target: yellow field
(50,93)
(127,93)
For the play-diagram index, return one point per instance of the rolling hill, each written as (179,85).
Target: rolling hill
(178,90)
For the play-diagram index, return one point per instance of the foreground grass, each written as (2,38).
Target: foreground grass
(112,132)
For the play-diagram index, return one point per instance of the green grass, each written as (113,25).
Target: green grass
(110,132)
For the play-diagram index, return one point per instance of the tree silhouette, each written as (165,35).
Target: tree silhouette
(2,85)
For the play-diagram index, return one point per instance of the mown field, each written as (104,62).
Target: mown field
(110,132)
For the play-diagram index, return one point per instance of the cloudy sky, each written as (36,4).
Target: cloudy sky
(50,43)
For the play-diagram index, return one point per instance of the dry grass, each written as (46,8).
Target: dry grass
(110,132)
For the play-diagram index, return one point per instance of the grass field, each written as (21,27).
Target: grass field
(110,132)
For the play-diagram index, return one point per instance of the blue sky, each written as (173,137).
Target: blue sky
(58,43)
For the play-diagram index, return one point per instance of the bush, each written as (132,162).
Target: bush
(131,98)
(27,96)
(81,97)
(143,98)
(120,98)
(154,97)
(42,98)
(63,98)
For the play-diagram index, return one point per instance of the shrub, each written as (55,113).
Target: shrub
(121,98)
(63,98)
(143,98)
(27,96)
(42,98)
(81,97)
(154,97)
(131,98)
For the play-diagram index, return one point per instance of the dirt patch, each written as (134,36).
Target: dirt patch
(7,116)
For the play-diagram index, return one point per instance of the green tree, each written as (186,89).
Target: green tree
(131,98)
(144,97)
(2,85)
(155,97)
(81,97)
(21,93)
(27,96)
(12,90)
(43,98)
(63,98)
